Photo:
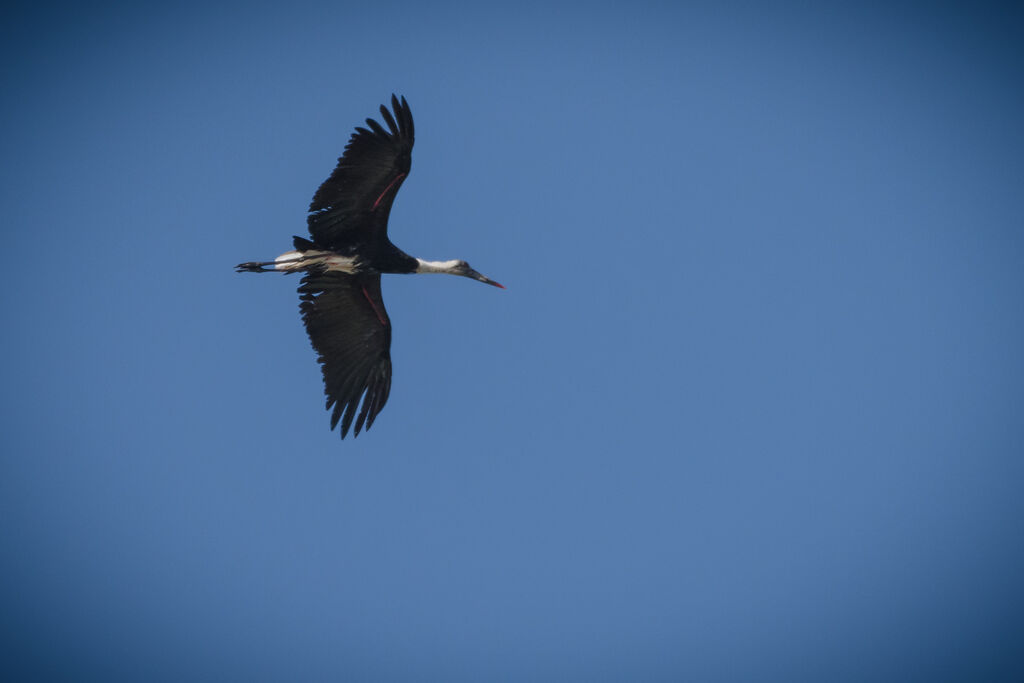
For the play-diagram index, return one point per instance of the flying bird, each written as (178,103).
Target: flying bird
(340,298)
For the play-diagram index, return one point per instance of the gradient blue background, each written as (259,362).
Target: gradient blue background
(749,410)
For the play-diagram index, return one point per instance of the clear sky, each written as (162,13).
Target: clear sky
(749,410)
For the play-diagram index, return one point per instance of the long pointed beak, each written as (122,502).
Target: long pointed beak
(486,280)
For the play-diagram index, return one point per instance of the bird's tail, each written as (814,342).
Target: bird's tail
(288,262)
(284,262)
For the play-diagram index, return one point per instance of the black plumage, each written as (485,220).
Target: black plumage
(353,205)
(351,333)
(340,296)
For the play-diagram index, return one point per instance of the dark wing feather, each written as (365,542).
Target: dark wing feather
(354,203)
(351,333)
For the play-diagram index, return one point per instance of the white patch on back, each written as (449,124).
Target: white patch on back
(297,260)
(287,260)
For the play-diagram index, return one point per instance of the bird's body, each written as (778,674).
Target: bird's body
(340,300)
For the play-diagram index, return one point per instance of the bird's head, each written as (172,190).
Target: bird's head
(453,268)
(462,268)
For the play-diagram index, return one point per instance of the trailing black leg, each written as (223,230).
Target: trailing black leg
(255,267)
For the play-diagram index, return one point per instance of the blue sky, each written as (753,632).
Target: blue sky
(749,409)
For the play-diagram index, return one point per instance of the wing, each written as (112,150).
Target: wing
(351,333)
(355,201)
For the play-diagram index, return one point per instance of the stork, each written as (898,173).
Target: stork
(340,297)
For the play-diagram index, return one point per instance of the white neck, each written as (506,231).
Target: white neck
(435,266)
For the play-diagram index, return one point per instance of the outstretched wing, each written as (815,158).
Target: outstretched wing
(355,201)
(351,333)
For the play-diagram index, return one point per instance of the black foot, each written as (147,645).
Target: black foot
(251,267)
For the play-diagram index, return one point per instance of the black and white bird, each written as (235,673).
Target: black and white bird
(340,298)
